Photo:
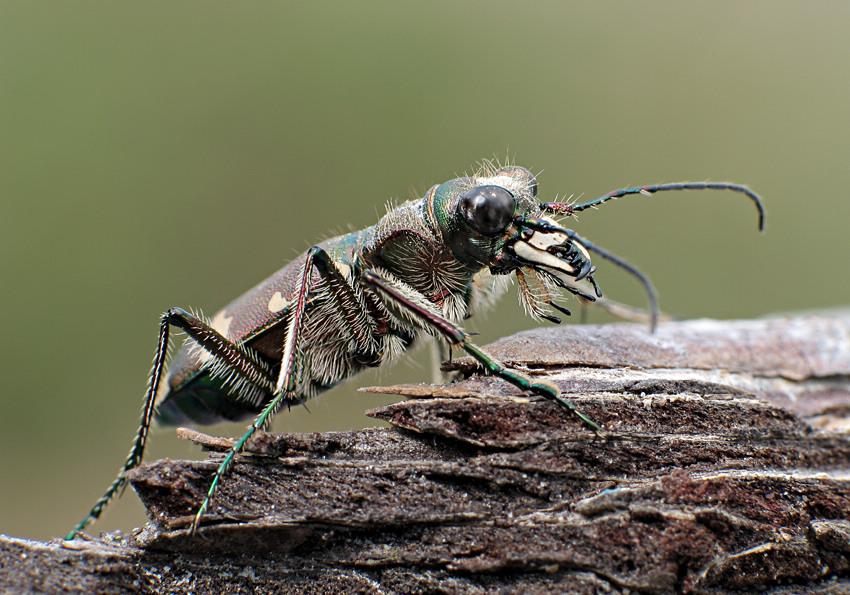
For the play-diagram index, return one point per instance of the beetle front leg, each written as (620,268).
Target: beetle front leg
(456,336)
(239,357)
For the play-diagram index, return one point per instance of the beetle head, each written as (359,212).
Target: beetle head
(493,220)
(476,215)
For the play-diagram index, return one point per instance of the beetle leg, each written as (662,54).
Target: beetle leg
(239,357)
(348,304)
(359,324)
(286,386)
(455,336)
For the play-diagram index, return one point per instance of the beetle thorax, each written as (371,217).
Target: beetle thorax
(409,248)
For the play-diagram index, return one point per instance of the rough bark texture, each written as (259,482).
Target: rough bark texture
(724,467)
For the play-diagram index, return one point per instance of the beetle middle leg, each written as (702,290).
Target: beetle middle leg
(455,336)
(356,320)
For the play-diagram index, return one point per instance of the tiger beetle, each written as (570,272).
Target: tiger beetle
(361,299)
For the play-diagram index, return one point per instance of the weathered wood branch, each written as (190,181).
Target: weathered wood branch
(724,466)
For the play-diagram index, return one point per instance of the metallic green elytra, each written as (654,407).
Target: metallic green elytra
(361,299)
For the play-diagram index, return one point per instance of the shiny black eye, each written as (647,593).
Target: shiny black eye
(487,209)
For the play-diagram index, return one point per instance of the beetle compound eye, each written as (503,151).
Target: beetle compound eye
(487,209)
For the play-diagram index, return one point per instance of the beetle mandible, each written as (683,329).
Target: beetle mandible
(361,299)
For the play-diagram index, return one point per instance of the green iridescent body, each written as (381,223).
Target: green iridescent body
(362,299)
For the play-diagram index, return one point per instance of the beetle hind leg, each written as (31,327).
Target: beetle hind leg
(238,357)
(286,389)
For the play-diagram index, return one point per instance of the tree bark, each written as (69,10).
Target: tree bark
(723,466)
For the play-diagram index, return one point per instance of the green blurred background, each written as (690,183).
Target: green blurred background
(165,154)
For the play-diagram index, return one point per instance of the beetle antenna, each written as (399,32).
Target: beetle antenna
(563,208)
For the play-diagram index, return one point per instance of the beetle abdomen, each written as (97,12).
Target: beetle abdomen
(203,400)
